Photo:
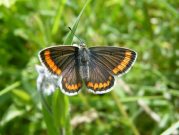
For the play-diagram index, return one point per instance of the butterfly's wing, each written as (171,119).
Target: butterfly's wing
(71,82)
(104,64)
(62,61)
(100,80)
(116,60)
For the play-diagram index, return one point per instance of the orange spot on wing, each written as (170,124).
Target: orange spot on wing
(108,82)
(58,71)
(75,87)
(54,68)
(123,63)
(47,52)
(90,84)
(121,67)
(71,86)
(115,70)
(47,57)
(66,85)
(105,85)
(100,85)
(128,54)
(95,86)
(51,63)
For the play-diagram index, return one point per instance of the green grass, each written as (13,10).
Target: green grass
(144,101)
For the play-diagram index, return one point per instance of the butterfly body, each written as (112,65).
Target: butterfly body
(97,67)
(84,62)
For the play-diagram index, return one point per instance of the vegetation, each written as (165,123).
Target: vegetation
(144,101)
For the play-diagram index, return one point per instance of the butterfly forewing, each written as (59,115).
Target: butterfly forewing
(56,59)
(116,60)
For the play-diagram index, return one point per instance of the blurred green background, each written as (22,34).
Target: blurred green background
(145,101)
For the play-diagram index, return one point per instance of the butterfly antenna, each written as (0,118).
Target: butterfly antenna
(75,35)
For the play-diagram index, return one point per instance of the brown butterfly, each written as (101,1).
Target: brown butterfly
(95,66)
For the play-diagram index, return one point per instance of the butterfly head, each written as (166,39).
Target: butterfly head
(82,45)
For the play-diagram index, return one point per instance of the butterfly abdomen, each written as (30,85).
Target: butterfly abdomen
(84,63)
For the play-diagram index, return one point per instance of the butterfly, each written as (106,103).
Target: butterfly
(94,67)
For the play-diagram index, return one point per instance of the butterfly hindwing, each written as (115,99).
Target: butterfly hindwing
(100,80)
(116,60)
(71,81)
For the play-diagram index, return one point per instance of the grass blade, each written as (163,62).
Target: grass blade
(9,88)
(171,129)
(69,38)
(58,16)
